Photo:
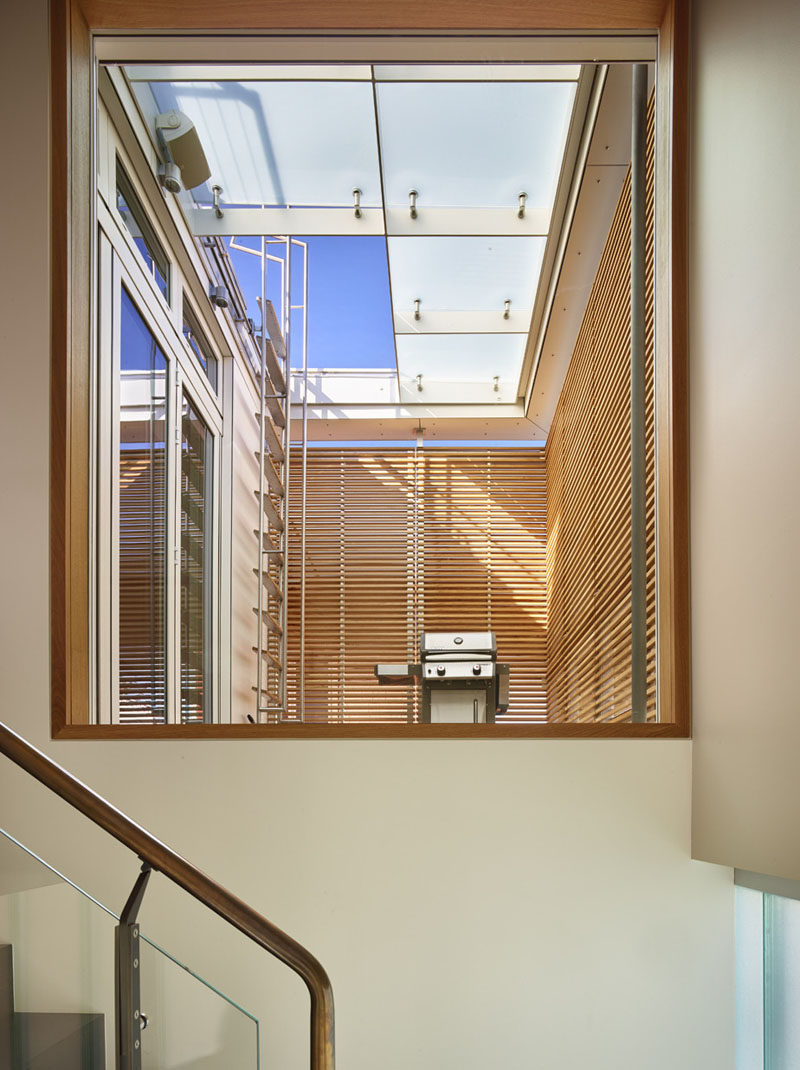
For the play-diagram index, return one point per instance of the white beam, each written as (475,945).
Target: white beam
(432,411)
(342,221)
(477,222)
(245,222)
(470,321)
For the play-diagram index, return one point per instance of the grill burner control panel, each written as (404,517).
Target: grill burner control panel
(460,678)
(457,670)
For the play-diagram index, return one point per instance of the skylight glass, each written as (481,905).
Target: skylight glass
(464,274)
(478,72)
(473,145)
(455,358)
(446,286)
(279,143)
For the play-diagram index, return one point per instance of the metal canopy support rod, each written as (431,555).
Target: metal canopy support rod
(638,433)
(287,448)
(301,690)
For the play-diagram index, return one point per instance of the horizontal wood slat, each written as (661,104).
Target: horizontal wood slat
(531,544)
(479,564)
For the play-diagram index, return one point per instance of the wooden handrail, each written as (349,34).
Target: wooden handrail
(192,880)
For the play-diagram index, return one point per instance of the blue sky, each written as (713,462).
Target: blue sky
(350,316)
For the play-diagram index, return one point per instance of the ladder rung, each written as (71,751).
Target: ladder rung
(269,621)
(270,585)
(274,370)
(271,437)
(270,474)
(268,544)
(273,698)
(274,331)
(270,512)
(276,412)
(265,654)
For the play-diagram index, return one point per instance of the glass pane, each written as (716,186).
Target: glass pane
(473,145)
(462,359)
(135,219)
(57,983)
(142,521)
(283,143)
(461,274)
(781,982)
(189,1022)
(199,344)
(479,72)
(749,980)
(56,967)
(196,470)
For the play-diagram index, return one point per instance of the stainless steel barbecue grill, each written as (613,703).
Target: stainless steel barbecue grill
(460,678)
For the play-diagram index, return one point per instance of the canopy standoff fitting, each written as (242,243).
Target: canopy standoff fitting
(417,313)
(419,382)
(507,310)
(216,190)
(357,203)
(412,203)
(523,197)
(495,383)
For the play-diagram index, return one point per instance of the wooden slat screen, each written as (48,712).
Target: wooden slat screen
(589,498)
(482,558)
(480,540)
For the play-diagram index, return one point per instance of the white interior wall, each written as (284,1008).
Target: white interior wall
(477,904)
(745,434)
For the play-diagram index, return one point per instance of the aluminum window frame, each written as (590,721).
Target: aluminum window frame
(120,265)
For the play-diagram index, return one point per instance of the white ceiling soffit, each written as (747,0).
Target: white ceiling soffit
(401,428)
(607,164)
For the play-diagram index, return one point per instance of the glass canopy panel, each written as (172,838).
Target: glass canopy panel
(479,72)
(473,145)
(457,358)
(282,143)
(464,274)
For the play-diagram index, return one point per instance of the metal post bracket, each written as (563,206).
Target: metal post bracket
(129,1018)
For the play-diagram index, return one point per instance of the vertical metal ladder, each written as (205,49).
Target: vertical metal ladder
(274,418)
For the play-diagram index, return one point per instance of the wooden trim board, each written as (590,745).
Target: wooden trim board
(71,24)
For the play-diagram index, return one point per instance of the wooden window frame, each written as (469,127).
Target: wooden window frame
(72,23)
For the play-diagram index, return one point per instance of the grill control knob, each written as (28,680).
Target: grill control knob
(476,670)
(440,670)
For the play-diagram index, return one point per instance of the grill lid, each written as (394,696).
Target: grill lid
(466,644)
